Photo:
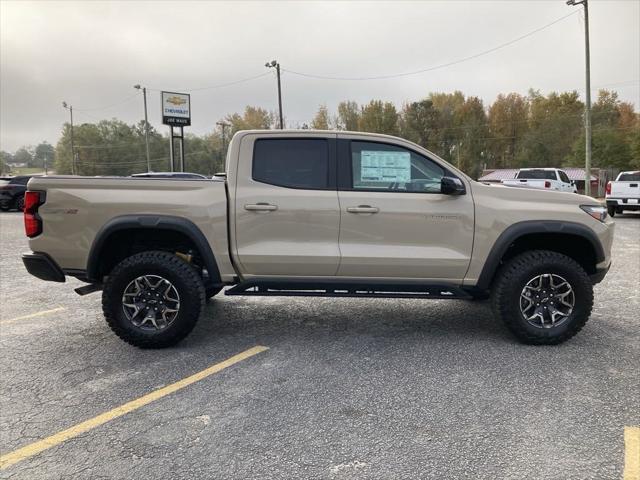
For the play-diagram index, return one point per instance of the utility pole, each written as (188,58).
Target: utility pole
(45,164)
(223,126)
(73,149)
(146,123)
(587,106)
(276,65)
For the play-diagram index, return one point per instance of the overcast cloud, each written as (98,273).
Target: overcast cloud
(92,53)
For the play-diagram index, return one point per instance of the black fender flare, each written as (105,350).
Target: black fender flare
(153,222)
(520,229)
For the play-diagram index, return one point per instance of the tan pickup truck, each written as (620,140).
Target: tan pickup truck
(319,213)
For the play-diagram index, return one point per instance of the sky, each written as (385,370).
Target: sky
(91,53)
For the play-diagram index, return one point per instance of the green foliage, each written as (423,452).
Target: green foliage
(348,116)
(514,131)
(321,120)
(379,117)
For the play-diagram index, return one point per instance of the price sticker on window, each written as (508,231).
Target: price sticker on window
(382,166)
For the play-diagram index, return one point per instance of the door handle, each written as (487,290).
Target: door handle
(363,209)
(260,207)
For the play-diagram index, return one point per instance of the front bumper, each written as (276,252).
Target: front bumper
(43,266)
(600,274)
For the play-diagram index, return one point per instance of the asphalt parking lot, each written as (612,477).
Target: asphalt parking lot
(346,388)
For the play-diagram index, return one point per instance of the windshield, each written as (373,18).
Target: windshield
(629,177)
(537,174)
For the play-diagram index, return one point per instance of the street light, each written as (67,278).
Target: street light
(276,65)
(73,150)
(146,124)
(587,110)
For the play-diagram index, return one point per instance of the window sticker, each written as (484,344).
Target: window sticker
(382,166)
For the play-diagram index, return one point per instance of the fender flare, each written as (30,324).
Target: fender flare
(153,222)
(520,229)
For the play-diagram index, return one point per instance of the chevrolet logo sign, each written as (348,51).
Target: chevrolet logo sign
(176,100)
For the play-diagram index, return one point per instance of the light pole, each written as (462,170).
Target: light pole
(276,65)
(223,126)
(146,124)
(587,109)
(73,150)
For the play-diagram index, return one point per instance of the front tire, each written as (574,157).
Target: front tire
(543,297)
(153,299)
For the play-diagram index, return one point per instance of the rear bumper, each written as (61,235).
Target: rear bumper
(623,203)
(42,266)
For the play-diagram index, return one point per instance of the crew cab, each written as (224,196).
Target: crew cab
(319,213)
(623,193)
(544,178)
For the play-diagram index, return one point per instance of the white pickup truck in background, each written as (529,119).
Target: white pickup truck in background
(623,193)
(544,178)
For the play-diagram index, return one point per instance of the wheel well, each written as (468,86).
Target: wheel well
(574,246)
(124,243)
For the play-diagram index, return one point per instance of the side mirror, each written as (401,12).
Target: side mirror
(452,186)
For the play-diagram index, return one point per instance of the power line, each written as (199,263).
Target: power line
(125,100)
(436,67)
(221,85)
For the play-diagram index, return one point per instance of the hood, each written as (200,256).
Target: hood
(534,195)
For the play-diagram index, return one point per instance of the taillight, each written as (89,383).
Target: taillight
(547,184)
(32,221)
(608,188)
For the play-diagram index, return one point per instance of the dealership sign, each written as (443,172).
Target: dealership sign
(176,109)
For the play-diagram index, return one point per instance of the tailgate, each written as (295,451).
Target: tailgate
(625,190)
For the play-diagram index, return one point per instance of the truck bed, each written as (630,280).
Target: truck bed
(77,208)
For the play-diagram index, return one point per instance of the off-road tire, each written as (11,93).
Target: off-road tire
(611,211)
(514,275)
(184,278)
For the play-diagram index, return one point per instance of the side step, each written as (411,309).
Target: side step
(314,288)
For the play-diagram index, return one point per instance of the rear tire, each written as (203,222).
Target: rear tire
(153,299)
(611,211)
(513,285)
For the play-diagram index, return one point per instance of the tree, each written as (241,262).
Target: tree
(321,120)
(418,122)
(23,156)
(554,123)
(379,117)
(44,152)
(348,116)
(5,158)
(508,122)
(253,118)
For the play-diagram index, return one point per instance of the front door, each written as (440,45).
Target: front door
(395,223)
(287,216)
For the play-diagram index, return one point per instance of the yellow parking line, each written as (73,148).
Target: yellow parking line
(33,449)
(631,453)
(37,314)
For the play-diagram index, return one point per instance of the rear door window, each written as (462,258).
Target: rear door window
(537,174)
(629,177)
(292,162)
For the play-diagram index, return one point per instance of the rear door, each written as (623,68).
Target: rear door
(287,216)
(395,221)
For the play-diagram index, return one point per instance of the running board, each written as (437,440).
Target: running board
(287,288)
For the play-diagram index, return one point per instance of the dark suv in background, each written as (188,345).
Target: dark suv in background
(12,192)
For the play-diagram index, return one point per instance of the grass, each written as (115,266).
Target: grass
(26,170)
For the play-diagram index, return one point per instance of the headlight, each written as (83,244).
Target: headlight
(598,212)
